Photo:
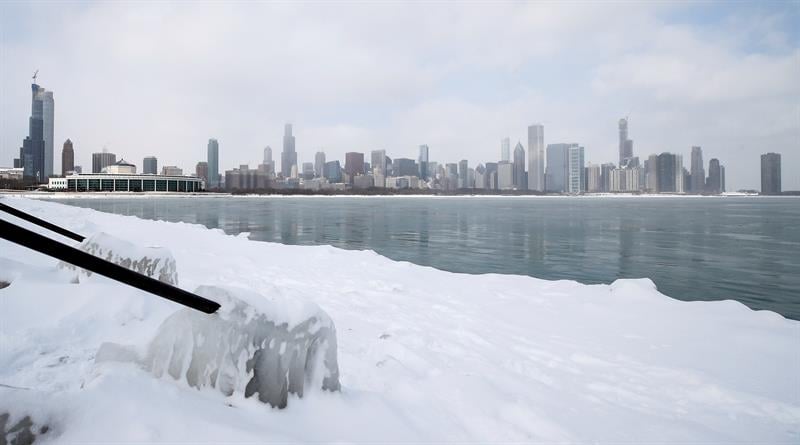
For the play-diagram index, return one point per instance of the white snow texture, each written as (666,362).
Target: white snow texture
(423,355)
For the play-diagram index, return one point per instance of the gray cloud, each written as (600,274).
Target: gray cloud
(161,78)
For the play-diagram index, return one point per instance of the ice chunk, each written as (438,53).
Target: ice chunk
(246,348)
(155,262)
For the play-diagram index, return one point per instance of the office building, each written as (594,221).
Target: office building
(575,167)
(771,174)
(424,153)
(289,155)
(353,164)
(713,184)
(201,170)
(267,155)
(67,158)
(556,178)
(505,150)
(102,160)
(669,173)
(536,161)
(150,165)
(32,153)
(171,170)
(625,144)
(463,174)
(404,167)
(213,165)
(308,170)
(505,175)
(697,171)
(519,177)
(605,176)
(319,163)
(333,171)
(378,161)
(594,178)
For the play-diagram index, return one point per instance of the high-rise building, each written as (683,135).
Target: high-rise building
(423,161)
(480,177)
(519,177)
(771,174)
(669,173)
(491,175)
(67,158)
(150,166)
(505,150)
(536,159)
(594,178)
(289,155)
(505,175)
(625,144)
(333,171)
(575,166)
(201,170)
(463,173)
(605,176)
(319,163)
(698,173)
(267,154)
(714,182)
(213,164)
(308,170)
(378,161)
(102,160)
(33,150)
(404,167)
(558,167)
(354,163)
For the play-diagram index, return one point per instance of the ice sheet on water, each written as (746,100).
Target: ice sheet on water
(241,348)
(155,262)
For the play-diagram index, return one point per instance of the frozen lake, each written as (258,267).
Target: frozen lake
(741,248)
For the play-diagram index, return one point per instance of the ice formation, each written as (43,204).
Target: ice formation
(241,349)
(155,262)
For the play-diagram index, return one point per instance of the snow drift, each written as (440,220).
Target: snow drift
(423,355)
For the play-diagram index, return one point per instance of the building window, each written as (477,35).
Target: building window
(135,185)
(121,185)
(94,185)
(173,186)
(161,185)
(108,185)
(149,185)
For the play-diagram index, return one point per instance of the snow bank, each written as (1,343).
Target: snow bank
(424,355)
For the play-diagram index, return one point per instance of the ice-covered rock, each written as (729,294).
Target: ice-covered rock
(251,345)
(155,262)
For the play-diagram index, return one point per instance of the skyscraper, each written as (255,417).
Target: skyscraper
(536,157)
(698,173)
(319,164)
(67,158)
(267,154)
(463,169)
(423,161)
(32,152)
(200,170)
(594,178)
(289,155)
(354,164)
(518,175)
(714,183)
(505,150)
(575,166)
(102,160)
(771,174)
(150,166)
(378,161)
(213,164)
(625,144)
(669,173)
(558,167)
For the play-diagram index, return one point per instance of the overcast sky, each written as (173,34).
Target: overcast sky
(161,78)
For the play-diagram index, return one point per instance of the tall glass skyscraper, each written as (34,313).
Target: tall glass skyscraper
(536,157)
(576,181)
(625,144)
(771,174)
(697,171)
(289,155)
(423,161)
(150,166)
(505,150)
(213,164)
(33,153)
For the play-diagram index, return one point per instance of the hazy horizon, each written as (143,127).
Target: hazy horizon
(161,79)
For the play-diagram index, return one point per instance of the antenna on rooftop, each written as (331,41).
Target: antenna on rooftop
(36,73)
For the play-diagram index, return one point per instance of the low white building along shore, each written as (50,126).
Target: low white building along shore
(122,177)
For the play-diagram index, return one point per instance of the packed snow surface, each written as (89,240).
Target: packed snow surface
(423,355)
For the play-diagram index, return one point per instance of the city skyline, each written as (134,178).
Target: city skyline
(740,104)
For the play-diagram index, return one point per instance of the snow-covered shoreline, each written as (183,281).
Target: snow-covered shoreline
(425,355)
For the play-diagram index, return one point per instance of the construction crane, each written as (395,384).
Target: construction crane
(34,75)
